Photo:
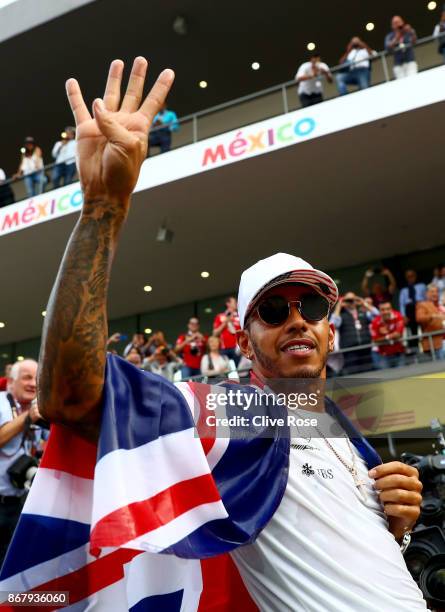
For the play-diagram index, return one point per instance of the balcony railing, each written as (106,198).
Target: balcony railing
(419,355)
(270,102)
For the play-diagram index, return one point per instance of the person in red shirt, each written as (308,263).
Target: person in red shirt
(225,326)
(387,329)
(191,346)
(4,379)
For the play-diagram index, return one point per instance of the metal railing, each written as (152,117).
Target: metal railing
(420,356)
(270,102)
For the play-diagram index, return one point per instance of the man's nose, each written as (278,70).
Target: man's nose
(294,321)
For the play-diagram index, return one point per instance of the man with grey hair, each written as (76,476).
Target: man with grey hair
(17,413)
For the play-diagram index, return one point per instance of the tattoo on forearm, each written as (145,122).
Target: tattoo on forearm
(73,353)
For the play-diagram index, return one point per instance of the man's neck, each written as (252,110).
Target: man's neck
(309,393)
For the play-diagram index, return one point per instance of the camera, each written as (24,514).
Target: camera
(22,472)
(194,350)
(425,556)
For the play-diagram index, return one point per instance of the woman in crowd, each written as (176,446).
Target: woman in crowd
(214,364)
(31,167)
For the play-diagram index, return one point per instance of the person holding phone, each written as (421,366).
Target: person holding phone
(400,42)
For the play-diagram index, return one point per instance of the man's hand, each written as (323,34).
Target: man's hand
(112,146)
(34,413)
(399,490)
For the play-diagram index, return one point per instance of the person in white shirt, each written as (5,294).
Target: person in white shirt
(357,67)
(31,167)
(213,363)
(439,31)
(64,152)
(309,77)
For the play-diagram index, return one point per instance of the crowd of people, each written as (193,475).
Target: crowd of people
(356,62)
(355,70)
(374,331)
(37,178)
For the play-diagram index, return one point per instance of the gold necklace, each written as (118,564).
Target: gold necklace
(352,469)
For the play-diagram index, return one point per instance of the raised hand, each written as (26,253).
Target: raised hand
(112,144)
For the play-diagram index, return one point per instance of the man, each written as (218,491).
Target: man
(357,69)
(439,31)
(308,556)
(191,346)
(387,330)
(379,292)
(17,413)
(351,317)
(225,327)
(408,297)
(164,124)
(163,362)
(137,341)
(64,152)
(439,280)
(430,315)
(310,77)
(400,42)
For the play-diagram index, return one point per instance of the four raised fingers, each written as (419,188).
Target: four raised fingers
(112,95)
(135,88)
(77,104)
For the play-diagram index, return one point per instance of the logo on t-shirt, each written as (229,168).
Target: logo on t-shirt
(307,470)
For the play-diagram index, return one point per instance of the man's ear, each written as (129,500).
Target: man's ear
(331,337)
(244,343)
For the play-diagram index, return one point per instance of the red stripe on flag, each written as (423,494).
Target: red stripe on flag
(132,521)
(223,590)
(206,432)
(69,453)
(87,580)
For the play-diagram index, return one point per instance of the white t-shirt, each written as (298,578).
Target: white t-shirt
(65,153)
(314,85)
(359,57)
(2,175)
(326,549)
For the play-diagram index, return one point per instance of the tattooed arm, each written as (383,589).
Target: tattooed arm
(111,148)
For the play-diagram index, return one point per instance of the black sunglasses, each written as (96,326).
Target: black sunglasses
(275,309)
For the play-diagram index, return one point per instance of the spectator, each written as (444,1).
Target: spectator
(400,42)
(191,346)
(31,167)
(310,77)
(134,356)
(431,316)
(214,364)
(165,123)
(357,66)
(225,326)
(154,341)
(350,316)
(4,379)
(409,296)
(439,280)
(6,193)
(64,152)
(163,362)
(17,412)
(138,341)
(371,310)
(378,292)
(387,330)
(439,31)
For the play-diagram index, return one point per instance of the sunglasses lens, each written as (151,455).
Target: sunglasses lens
(314,307)
(274,310)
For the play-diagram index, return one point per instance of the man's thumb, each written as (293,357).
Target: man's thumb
(112,130)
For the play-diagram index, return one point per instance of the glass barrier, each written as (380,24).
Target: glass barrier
(271,102)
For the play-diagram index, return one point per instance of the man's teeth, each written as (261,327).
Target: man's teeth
(299,347)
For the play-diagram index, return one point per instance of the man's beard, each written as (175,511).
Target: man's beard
(269,365)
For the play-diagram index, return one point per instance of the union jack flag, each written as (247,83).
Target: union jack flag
(97,516)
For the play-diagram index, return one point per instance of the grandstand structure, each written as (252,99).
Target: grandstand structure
(349,184)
